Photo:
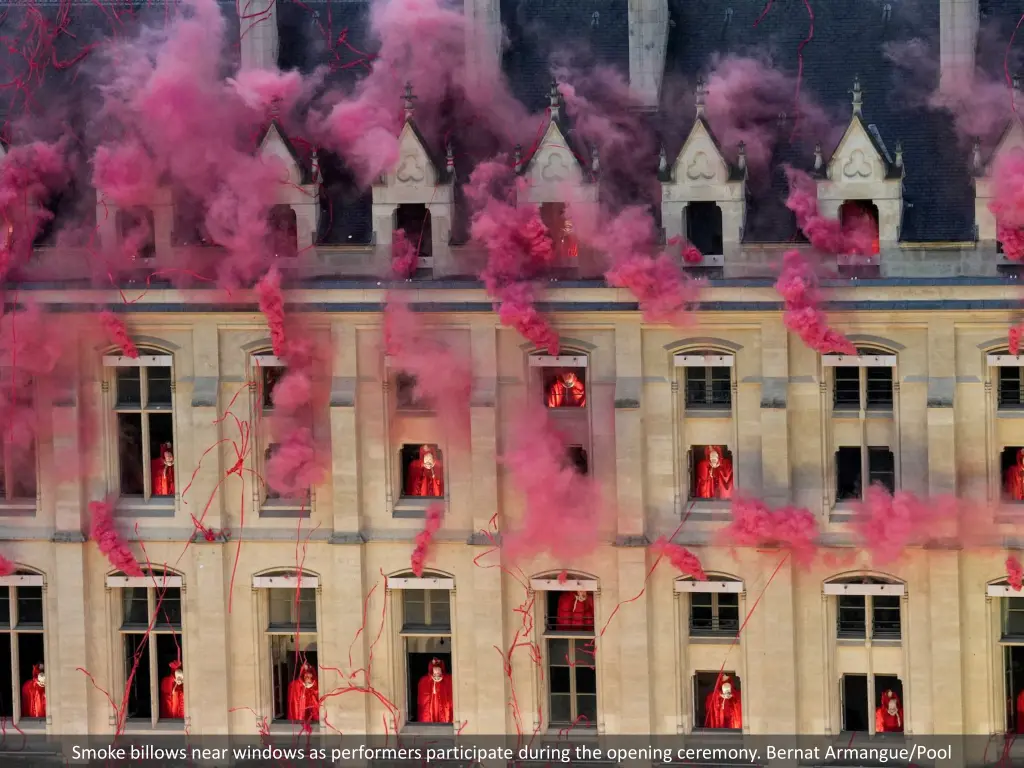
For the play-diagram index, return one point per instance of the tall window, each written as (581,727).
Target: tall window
(18,469)
(1011,387)
(704,227)
(851,461)
(863,388)
(23,674)
(714,614)
(144,424)
(266,372)
(863,616)
(291,635)
(708,388)
(284,231)
(1012,642)
(427,640)
(135,230)
(872,703)
(151,649)
(571,659)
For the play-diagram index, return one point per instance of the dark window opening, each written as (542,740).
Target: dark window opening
(135,229)
(406,395)
(284,231)
(425,705)
(270,375)
(414,220)
(143,399)
(190,225)
(292,610)
(426,610)
(577,459)
(851,611)
(291,657)
(1013,619)
(422,471)
(848,478)
(704,227)
(1013,663)
(151,644)
(1011,465)
(878,385)
(717,701)
(855,703)
(30,659)
(56,209)
(561,230)
(714,614)
(569,611)
(565,387)
(882,468)
(885,617)
(859,220)
(572,683)
(709,388)
(711,472)
(847,388)
(1011,387)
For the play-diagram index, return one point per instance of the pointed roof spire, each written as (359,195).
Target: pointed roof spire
(976,162)
(314,168)
(517,158)
(700,96)
(449,159)
(662,160)
(818,159)
(899,155)
(741,157)
(554,98)
(858,96)
(408,101)
(595,161)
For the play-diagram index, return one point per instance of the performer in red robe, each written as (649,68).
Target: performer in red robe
(567,391)
(575,611)
(33,694)
(1015,478)
(434,695)
(425,476)
(723,707)
(304,696)
(163,472)
(568,247)
(889,716)
(172,693)
(714,475)
(1020,712)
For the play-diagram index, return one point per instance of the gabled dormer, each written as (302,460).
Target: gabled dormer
(416,196)
(862,178)
(1010,143)
(140,233)
(295,217)
(703,195)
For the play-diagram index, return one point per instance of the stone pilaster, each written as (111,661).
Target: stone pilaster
(941,390)
(484,425)
(206,621)
(198,419)
(774,456)
(69,689)
(344,433)
(629,465)
(945,679)
(345,646)
(634,662)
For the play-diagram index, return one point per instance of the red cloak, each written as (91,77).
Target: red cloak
(574,613)
(163,474)
(303,702)
(172,696)
(33,695)
(434,697)
(885,721)
(721,711)
(564,394)
(1020,712)
(424,481)
(1015,478)
(714,482)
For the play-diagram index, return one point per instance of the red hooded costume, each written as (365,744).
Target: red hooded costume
(723,707)
(434,695)
(172,694)
(33,694)
(304,696)
(714,475)
(567,391)
(1020,712)
(426,474)
(575,611)
(889,719)
(1015,478)
(163,472)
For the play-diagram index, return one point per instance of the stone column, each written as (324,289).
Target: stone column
(348,710)
(201,422)
(945,678)
(259,39)
(344,435)
(941,390)
(775,465)
(629,435)
(648,43)
(958,33)
(207,626)
(68,689)
(635,653)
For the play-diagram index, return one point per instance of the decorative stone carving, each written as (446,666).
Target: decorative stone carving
(857,166)
(410,170)
(700,167)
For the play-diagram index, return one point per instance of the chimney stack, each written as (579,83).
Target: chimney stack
(958,35)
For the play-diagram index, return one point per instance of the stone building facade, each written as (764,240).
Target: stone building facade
(930,404)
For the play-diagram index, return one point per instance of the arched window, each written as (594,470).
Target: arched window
(704,227)
(284,231)
(859,218)
(562,381)
(414,220)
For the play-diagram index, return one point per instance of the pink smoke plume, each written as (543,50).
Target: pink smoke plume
(28,173)
(1015,335)
(404,256)
(755,525)
(1014,573)
(7,568)
(682,559)
(798,287)
(434,518)
(519,251)
(126,173)
(118,334)
(563,510)
(888,524)
(104,532)
(271,303)
(691,255)
(444,379)
(1007,204)
(858,236)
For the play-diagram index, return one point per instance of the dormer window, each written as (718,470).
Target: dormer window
(859,218)
(414,220)
(135,229)
(560,229)
(284,231)
(704,227)
(189,225)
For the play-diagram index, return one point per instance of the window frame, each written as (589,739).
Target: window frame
(27,579)
(9,502)
(149,357)
(865,360)
(154,582)
(264,504)
(866,453)
(872,693)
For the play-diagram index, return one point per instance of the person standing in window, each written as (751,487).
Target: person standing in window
(33,694)
(889,716)
(304,696)
(575,611)
(1015,478)
(172,693)
(723,707)
(714,475)
(426,474)
(163,472)
(434,694)
(567,391)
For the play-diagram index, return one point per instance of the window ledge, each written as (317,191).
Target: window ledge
(172,726)
(413,508)
(428,729)
(293,728)
(722,638)
(570,732)
(569,634)
(157,506)
(708,411)
(713,510)
(844,511)
(414,412)
(1010,412)
(16,508)
(286,508)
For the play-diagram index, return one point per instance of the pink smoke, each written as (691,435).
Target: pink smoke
(1007,204)
(563,510)
(435,516)
(28,174)
(1014,573)
(691,255)
(888,524)
(404,256)
(798,287)
(857,236)
(104,532)
(682,559)
(117,333)
(1015,335)
(271,303)
(519,251)
(755,525)
(126,173)
(444,379)
(7,568)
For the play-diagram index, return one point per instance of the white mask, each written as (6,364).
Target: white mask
(436,674)
(179,677)
(713,459)
(581,596)
(726,690)
(892,706)
(168,459)
(41,680)
(307,682)
(428,461)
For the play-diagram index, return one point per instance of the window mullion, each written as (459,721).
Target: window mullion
(154,683)
(869,619)
(573,704)
(15,678)
(147,470)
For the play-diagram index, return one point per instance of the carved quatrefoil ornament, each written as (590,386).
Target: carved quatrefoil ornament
(410,170)
(700,167)
(556,168)
(858,166)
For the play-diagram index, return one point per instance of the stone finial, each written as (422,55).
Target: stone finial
(595,161)
(899,154)
(517,158)
(408,101)
(275,107)
(449,159)
(662,160)
(314,168)
(976,163)
(819,161)
(700,96)
(554,99)
(781,120)
(741,157)
(858,97)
